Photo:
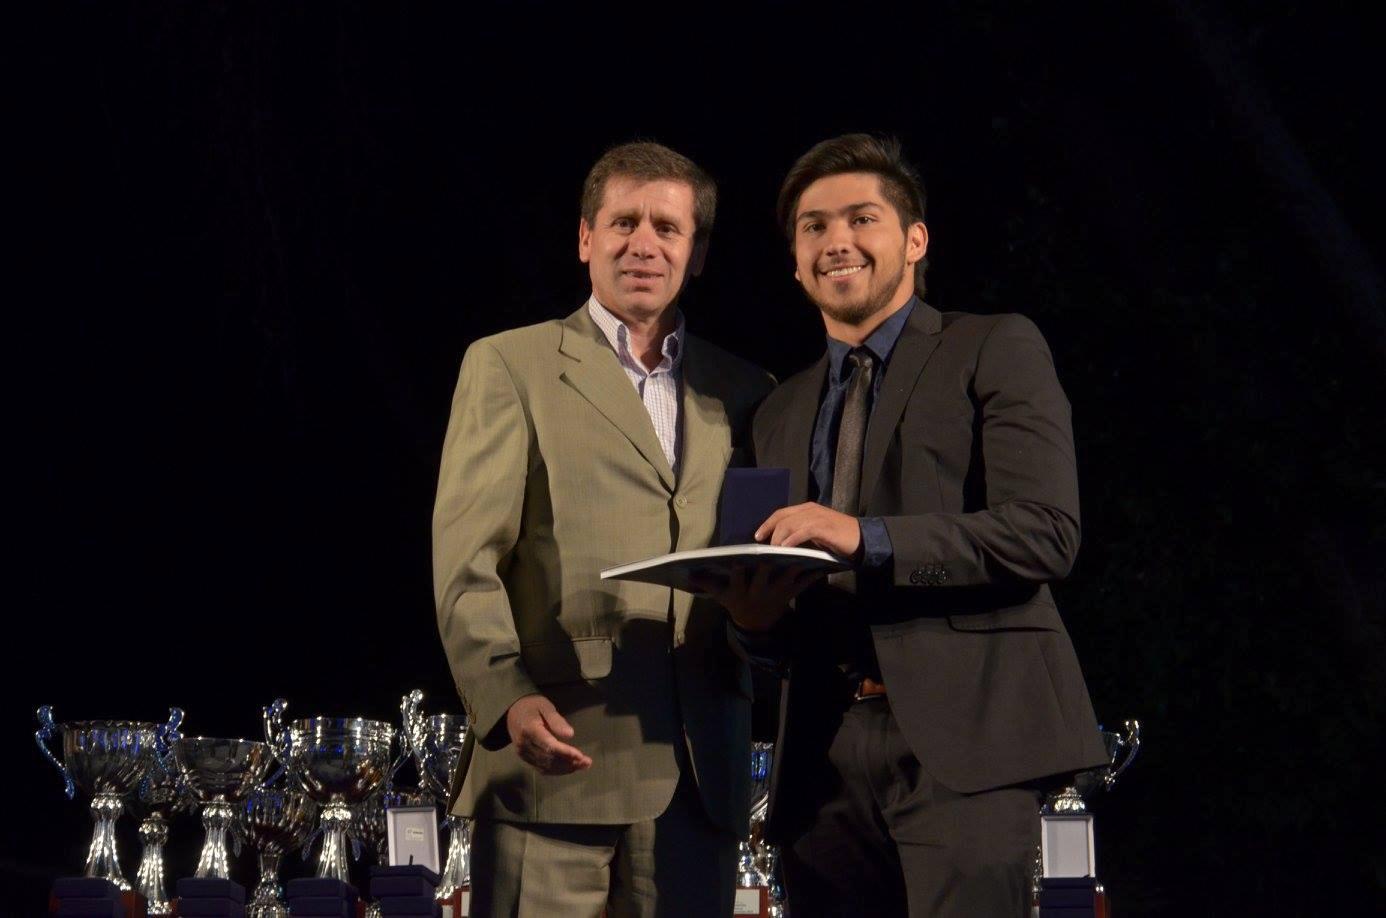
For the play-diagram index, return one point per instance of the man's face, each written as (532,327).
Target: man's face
(640,250)
(851,254)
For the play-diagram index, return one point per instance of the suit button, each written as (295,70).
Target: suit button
(916,577)
(680,501)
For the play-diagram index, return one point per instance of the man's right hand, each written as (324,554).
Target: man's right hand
(537,731)
(757,596)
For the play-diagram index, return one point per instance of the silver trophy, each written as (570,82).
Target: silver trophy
(339,762)
(1066,826)
(160,792)
(752,852)
(1121,751)
(436,743)
(219,773)
(107,759)
(368,823)
(274,819)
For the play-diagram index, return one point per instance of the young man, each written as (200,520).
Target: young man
(933,689)
(608,764)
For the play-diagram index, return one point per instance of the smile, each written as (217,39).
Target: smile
(844,272)
(641,275)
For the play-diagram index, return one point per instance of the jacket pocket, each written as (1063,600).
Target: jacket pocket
(551,662)
(1033,616)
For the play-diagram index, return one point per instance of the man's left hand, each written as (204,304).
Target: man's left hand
(813,523)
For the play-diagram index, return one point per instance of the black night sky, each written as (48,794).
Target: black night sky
(254,239)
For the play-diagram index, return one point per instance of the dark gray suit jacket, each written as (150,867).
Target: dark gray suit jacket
(969,459)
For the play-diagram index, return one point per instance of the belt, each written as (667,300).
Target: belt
(867,689)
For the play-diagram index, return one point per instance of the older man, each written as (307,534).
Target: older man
(607,766)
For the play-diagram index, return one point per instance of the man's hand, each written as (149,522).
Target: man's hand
(822,526)
(538,730)
(757,595)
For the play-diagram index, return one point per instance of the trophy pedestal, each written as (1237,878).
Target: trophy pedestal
(751,901)
(1071,897)
(135,905)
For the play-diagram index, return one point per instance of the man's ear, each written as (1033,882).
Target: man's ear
(698,258)
(916,242)
(584,241)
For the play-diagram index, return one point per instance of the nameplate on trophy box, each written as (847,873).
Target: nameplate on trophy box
(412,833)
(1066,846)
(751,901)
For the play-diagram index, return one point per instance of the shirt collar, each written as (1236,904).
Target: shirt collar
(619,336)
(880,342)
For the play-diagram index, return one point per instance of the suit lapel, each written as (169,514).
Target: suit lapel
(918,339)
(706,430)
(595,372)
(797,435)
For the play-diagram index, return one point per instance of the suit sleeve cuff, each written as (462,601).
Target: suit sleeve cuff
(877,550)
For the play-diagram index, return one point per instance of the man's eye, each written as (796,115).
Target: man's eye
(812,227)
(864,218)
(624,223)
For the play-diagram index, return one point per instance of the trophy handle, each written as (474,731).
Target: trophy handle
(166,734)
(184,799)
(47,729)
(1131,743)
(411,712)
(275,733)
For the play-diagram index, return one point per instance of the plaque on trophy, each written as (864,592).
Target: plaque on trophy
(413,836)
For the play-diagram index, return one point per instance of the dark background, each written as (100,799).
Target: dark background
(255,240)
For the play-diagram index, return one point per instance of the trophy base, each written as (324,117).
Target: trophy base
(135,906)
(459,904)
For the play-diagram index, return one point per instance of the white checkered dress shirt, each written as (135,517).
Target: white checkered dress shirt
(658,388)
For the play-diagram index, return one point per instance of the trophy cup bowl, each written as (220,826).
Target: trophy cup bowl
(339,759)
(339,762)
(219,773)
(436,742)
(274,820)
(106,759)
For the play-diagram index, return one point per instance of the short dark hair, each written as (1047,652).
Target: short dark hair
(879,156)
(650,162)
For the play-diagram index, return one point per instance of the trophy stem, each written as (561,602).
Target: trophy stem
(150,878)
(335,819)
(216,820)
(102,860)
(457,872)
(772,875)
(268,901)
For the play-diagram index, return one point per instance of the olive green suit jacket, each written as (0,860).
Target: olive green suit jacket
(551,471)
